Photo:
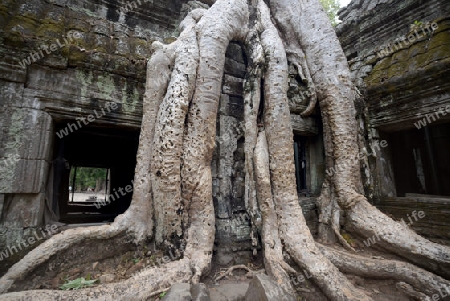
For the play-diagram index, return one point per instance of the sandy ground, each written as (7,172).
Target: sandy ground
(84,196)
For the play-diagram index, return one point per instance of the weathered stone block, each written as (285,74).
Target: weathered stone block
(234,68)
(263,288)
(10,93)
(27,133)
(10,68)
(236,107)
(23,210)
(304,126)
(200,292)
(2,202)
(25,176)
(83,85)
(25,150)
(229,291)
(233,85)
(179,292)
(235,52)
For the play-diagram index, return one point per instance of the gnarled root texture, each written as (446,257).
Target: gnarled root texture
(172,201)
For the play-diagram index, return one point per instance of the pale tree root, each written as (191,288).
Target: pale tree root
(336,95)
(170,214)
(294,232)
(252,101)
(52,246)
(225,21)
(270,236)
(367,221)
(201,229)
(336,226)
(422,280)
(138,288)
(307,32)
(411,292)
(258,187)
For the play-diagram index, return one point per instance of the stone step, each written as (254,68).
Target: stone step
(261,288)
(187,292)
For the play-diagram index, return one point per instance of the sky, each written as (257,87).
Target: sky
(344,2)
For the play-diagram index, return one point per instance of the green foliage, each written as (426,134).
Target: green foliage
(331,7)
(87,177)
(77,283)
(162,294)
(416,25)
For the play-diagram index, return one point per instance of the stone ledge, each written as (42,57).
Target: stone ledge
(304,126)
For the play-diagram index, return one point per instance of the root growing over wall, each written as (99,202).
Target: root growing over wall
(172,201)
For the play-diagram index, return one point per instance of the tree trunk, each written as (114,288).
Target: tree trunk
(172,201)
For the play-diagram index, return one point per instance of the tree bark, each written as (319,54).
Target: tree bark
(172,200)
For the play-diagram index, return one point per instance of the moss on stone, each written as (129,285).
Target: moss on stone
(26,25)
(170,40)
(84,11)
(15,142)
(141,48)
(398,69)
(400,56)
(347,238)
(50,29)
(130,101)
(85,79)
(101,44)
(75,55)
(106,86)
(421,60)
(371,60)
(443,24)
(383,64)
(438,53)
(442,38)
(4,15)
(416,50)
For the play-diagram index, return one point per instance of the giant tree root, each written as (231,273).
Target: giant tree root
(270,236)
(52,246)
(177,140)
(367,221)
(336,96)
(138,288)
(411,292)
(420,279)
(292,224)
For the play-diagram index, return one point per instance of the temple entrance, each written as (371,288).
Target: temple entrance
(420,160)
(93,173)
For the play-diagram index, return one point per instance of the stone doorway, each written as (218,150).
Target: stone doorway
(93,170)
(420,160)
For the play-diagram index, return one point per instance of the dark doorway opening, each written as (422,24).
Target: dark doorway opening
(93,173)
(420,160)
(300,163)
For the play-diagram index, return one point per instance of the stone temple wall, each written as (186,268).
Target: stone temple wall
(233,243)
(61,60)
(399,56)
